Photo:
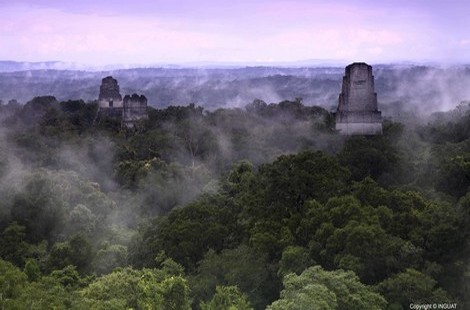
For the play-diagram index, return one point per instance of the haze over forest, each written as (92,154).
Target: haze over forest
(228,184)
(402,88)
(233,165)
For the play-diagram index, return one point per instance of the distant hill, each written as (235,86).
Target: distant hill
(12,66)
(400,88)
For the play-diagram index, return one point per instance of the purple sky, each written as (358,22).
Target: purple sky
(180,31)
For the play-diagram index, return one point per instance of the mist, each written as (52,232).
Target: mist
(84,191)
(403,90)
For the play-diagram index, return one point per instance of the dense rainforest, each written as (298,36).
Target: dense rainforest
(259,207)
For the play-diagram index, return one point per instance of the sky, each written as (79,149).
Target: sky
(239,31)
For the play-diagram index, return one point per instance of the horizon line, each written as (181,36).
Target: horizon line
(77,66)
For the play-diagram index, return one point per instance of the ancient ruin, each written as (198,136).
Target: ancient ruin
(130,110)
(134,109)
(109,94)
(357,112)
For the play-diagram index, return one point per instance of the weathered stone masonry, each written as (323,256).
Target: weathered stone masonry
(109,94)
(357,112)
(130,110)
(134,109)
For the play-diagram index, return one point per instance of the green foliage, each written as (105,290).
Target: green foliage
(139,289)
(239,199)
(294,259)
(316,288)
(412,286)
(12,243)
(31,269)
(44,206)
(34,110)
(227,298)
(454,175)
(380,234)
(12,281)
(175,294)
(43,293)
(68,277)
(38,210)
(119,286)
(77,251)
(241,267)
(274,198)
(372,156)
(168,265)
(110,257)
(443,130)
(187,233)
(291,180)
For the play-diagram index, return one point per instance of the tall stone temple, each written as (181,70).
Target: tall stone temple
(130,110)
(357,112)
(109,94)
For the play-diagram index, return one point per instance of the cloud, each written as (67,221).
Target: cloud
(464,42)
(49,33)
(164,32)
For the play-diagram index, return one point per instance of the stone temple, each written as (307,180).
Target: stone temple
(357,112)
(130,110)
(109,94)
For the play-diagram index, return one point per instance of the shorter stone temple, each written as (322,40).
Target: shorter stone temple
(134,109)
(357,112)
(130,110)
